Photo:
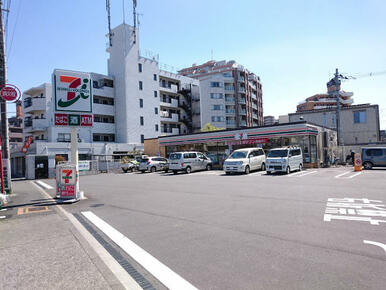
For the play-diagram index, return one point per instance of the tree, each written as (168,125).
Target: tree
(208,127)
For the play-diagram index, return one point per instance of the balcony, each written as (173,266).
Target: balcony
(230,122)
(241,79)
(243,123)
(173,103)
(254,96)
(35,125)
(170,131)
(36,104)
(103,91)
(229,100)
(167,117)
(229,88)
(101,109)
(230,112)
(254,106)
(241,90)
(254,116)
(242,112)
(167,89)
(242,101)
(99,127)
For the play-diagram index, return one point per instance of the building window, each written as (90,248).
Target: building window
(154,77)
(140,84)
(156,128)
(217,107)
(156,111)
(141,120)
(333,121)
(155,94)
(217,119)
(142,138)
(140,67)
(64,137)
(359,117)
(215,84)
(141,103)
(216,96)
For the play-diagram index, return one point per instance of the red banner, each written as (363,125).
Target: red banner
(27,144)
(61,120)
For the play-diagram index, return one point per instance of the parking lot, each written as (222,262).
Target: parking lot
(314,229)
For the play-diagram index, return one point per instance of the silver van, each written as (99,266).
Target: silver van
(373,157)
(245,160)
(153,164)
(285,159)
(188,162)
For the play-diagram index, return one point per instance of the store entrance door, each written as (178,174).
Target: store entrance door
(41,167)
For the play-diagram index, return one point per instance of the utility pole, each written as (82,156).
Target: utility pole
(3,108)
(337,95)
(135,21)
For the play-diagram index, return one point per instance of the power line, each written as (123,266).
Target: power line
(13,31)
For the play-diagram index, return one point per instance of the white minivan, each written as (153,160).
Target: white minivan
(284,160)
(245,160)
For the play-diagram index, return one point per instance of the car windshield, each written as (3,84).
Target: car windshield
(238,154)
(175,156)
(278,153)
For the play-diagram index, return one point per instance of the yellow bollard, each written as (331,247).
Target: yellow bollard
(357,162)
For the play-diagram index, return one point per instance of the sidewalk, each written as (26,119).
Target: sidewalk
(40,248)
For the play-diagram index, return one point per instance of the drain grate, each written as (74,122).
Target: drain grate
(138,277)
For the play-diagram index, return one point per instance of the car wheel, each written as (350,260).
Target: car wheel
(153,169)
(227,173)
(142,171)
(124,170)
(300,167)
(262,166)
(247,169)
(166,170)
(209,167)
(175,172)
(188,170)
(269,172)
(288,170)
(367,165)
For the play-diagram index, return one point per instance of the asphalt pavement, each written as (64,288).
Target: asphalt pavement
(306,230)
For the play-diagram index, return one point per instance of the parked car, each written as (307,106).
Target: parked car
(189,162)
(128,167)
(153,164)
(285,160)
(373,157)
(245,160)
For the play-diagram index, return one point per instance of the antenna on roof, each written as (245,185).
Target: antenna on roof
(108,21)
(135,20)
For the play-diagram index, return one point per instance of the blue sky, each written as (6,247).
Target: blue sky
(294,46)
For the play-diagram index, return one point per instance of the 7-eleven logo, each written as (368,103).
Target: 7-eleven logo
(66,175)
(77,88)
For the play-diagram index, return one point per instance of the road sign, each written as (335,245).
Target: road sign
(73,99)
(10,93)
(357,162)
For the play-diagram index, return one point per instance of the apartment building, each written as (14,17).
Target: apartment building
(269,120)
(50,141)
(15,125)
(326,101)
(230,95)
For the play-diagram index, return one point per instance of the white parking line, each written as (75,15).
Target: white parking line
(43,184)
(378,244)
(355,174)
(259,173)
(294,174)
(306,173)
(339,175)
(160,271)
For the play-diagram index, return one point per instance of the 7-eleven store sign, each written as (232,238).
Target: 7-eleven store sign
(67,181)
(73,99)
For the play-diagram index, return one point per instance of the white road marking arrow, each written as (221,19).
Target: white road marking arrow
(383,246)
